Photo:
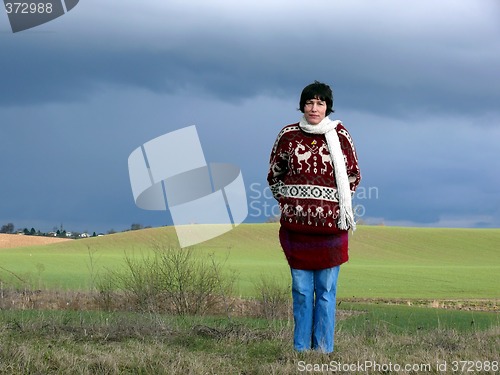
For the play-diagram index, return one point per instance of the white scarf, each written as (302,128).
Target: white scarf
(328,128)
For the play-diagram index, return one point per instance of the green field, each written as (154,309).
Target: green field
(385,262)
(387,265)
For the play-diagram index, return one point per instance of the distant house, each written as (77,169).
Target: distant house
(84,235)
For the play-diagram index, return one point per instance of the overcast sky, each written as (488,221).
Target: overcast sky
(415,82)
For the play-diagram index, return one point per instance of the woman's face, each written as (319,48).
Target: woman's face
(314,111)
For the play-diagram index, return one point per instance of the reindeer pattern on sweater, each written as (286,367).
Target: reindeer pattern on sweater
(302,178)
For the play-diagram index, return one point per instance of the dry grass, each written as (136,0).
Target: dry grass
(49,332)
(99,343)
(52,300)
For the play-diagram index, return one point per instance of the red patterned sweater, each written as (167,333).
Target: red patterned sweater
(301,178)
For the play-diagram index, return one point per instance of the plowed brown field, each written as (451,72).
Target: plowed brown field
(19,240)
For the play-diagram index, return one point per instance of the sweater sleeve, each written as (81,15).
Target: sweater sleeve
(278,167)
(349,151)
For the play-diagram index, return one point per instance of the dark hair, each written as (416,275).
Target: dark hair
(317,90)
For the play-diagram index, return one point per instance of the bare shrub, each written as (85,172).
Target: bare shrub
(274,296)
(180,281)
(105,296)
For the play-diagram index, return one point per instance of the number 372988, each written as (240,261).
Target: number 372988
(28,8)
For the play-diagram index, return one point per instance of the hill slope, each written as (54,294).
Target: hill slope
(385,262)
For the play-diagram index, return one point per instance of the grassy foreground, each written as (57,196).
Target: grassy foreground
(68,342)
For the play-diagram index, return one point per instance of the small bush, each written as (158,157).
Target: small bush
(274,296)
(180,281)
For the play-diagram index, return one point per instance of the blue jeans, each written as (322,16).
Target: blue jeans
(314,295)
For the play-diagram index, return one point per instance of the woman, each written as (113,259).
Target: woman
(313,174)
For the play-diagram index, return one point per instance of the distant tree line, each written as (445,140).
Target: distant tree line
(61,232)
(7,228)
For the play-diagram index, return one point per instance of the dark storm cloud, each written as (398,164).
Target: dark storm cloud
(386,59)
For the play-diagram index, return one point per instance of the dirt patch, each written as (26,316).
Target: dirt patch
(491,305)
(8,241)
